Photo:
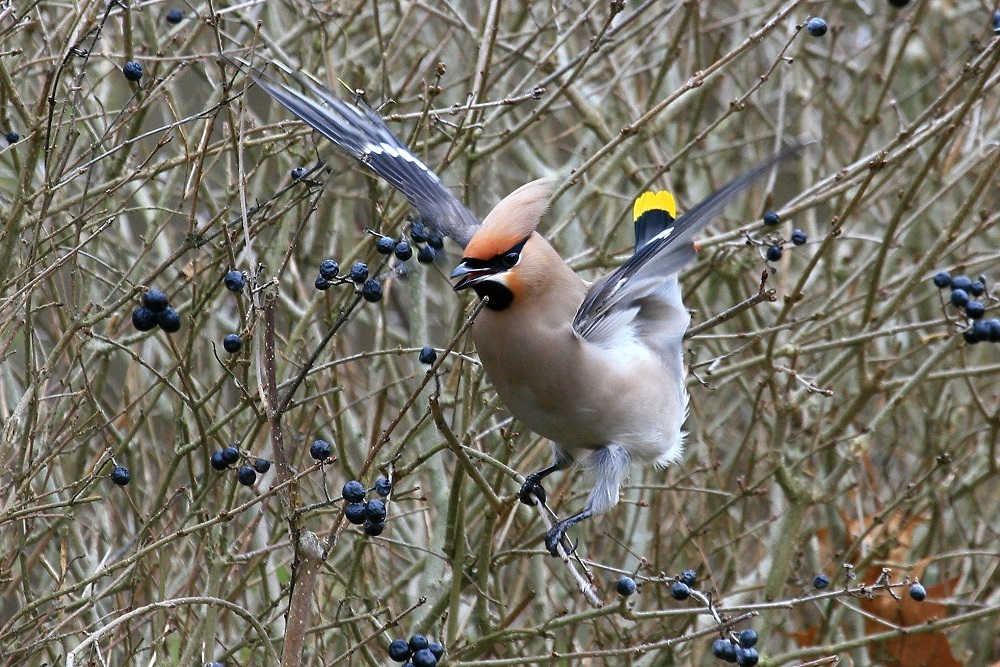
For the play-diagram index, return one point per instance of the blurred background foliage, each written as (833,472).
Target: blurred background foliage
(841,419)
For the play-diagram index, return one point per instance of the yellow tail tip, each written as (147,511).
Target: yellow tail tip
(655,201)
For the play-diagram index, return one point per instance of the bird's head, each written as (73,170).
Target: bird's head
(502,258)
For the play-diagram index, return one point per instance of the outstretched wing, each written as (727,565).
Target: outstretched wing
(362,133)
(648,280)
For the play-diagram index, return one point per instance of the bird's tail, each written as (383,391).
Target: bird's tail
(652,213)
(363,135)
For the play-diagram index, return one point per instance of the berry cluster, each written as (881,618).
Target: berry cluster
(329,275)
(156,311)
(418,652)
(246,474)
(681,589)
(739,649)
(774,250)
(964,295)
(428,241)
(370,514)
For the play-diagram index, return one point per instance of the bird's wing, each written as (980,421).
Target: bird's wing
(362,133)
(643,291)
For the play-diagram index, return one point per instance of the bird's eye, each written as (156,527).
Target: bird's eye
(510,259)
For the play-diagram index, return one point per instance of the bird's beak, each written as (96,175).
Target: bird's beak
(469,276)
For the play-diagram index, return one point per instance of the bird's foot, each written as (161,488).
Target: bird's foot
(531,489)
(555,536)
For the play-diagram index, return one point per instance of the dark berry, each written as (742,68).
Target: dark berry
(418,233)
(328,269)
(169,320)
(423,658)
(959,297)
(132,70)
(399,650)
(353,492)
(121,475)
(918,592)
(723,649)
(991,328)
(371,291)
(232,343)
(217,460)
(143,319)
(799,237)
(428,355)
(746,657)
(973,335)
(821,581)
(373,528)
(359,273)
(383,486)
(689,577)
(13,137)
(385,245)
(774,253)
(436,649)
(322,284)
(418,642)
(297,173)
(403,251)
(975,310)
(680,591)
(261,465)
(230,455)
(977,288)
(817,28)
(215,664)
(626,586)
(355,513)
(996,21)
(155,300)
(426,255)
(962,283)
(747,638)
(899,3)
(246,476)
(771,219)
(175,16)
(942,279)
(375,510)
(435,240)
(320,450)
(235,282)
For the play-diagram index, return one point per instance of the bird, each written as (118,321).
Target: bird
(597,368)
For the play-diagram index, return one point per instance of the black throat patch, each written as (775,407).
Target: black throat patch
(500,296)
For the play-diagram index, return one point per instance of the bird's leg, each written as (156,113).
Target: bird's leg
(532,487)
(557,532)
(607,465)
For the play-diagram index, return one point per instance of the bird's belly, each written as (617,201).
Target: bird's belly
(591,399)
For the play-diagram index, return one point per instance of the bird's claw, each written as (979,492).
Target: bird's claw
(531,489)
(557,535)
